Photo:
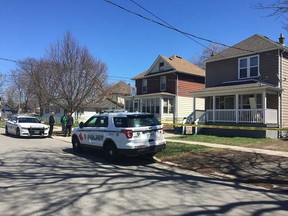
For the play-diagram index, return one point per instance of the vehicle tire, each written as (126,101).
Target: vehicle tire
(151,155)
(17,132)
(76,145)
(111,152)
(6,131)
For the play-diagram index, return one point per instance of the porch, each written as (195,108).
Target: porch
(258,116)
(253,103)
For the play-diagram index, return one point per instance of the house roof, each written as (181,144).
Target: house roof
(252,45)
(176,63)
(234,89)
(120,88)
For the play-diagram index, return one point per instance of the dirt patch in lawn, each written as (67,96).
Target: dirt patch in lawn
(258,169)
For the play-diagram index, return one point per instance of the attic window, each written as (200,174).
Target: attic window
(161,66)
(144,86)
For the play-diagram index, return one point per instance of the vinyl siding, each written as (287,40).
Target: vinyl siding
(285,93)
(187,84)
(186,107)
(227,70)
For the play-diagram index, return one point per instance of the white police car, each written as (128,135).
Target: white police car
(26,126)
(124,133)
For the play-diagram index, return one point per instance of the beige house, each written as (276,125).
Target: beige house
(164,89)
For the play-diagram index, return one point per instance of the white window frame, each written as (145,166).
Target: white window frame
(144,86)
(161,66)
(248,67)
(163,83)
(168,104)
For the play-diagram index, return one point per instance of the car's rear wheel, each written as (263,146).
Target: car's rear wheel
(151,155)
(111,152)
(18,132)
(76,145)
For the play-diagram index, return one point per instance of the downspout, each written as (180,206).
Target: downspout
(176,114)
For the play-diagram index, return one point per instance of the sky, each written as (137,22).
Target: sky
(125,42)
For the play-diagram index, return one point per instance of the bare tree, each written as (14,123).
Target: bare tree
(40,79)
(76,74)
(205,54)
(23,89)
(277,9)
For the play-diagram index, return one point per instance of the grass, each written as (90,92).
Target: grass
(174,149)
(2,123)
(235,141)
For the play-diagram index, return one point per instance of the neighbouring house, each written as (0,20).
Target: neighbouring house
(247,85)
(164,89)
(6,111)
(111,100)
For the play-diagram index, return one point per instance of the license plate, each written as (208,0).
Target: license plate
(151,135)
(36,132)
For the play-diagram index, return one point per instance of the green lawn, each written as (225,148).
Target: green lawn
(236,141)
(174,149)
(2,123)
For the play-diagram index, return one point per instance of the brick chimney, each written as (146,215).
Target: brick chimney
(282,39)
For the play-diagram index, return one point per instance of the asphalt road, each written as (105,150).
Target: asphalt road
(44,177)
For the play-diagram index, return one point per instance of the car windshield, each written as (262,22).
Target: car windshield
(28,120)
(136,121)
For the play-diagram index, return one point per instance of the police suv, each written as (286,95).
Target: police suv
(124,133)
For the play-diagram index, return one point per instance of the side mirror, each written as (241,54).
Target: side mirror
(81,125)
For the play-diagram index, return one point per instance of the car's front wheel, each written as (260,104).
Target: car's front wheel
(18,132)
(6,130)
(76,144)
(111,152)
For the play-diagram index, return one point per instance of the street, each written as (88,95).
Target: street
(44,177)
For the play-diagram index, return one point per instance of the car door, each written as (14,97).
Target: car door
(100,131)
(11,125)
(86,131)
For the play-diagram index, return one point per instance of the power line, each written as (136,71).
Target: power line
(175,29)
(15,61)
(170,25)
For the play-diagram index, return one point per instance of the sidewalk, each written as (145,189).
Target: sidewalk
(59,136)
(236,148)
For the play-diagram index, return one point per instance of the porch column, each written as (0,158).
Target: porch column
(264,105)
(161,109)
(214,105)
(194,108)
(237,108)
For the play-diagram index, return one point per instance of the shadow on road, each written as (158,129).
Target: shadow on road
(55,182)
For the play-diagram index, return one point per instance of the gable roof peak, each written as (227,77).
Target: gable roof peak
(255,44)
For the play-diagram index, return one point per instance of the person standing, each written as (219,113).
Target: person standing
(69,124)
(63,123)
(51,123)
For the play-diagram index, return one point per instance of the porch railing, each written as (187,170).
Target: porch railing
(244,116)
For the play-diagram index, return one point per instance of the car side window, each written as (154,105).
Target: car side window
(91,122)
(102,121)
(120,122)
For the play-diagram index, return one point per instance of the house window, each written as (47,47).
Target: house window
(129,105)
(168,105)
(250,101)
(144,86)
(144,105)
(163,83)
(150,105)
(161,66)
(248,67)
